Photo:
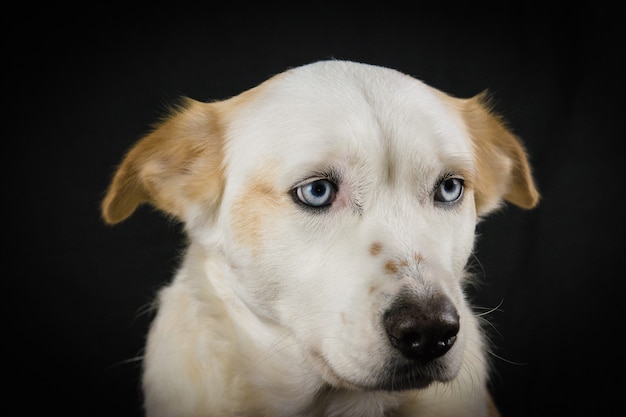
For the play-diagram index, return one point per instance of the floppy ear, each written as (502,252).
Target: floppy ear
(175,167)
(503,171)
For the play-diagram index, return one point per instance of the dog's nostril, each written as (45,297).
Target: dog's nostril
(423,346)
(422,329)
(447,341)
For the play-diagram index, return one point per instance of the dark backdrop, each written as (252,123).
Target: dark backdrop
(82,86)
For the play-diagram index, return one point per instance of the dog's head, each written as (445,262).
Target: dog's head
(343,199)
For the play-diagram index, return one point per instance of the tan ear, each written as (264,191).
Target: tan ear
(175,166)
(503,171)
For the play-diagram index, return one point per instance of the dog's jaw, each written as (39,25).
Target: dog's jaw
(250,365)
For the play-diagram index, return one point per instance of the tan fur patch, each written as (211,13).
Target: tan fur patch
(376,248)
(250,212)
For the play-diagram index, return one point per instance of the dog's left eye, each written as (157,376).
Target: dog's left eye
(318,193)
(449,190)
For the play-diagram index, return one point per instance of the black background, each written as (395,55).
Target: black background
(83,85)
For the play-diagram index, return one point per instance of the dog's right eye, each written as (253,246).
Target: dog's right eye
(318,193)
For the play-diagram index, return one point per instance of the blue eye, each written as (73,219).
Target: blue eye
(449,190)
(318,193)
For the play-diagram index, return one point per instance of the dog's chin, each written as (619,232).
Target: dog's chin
(397,375)
(402,375)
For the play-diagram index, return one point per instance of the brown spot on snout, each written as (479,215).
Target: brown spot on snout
(391,267)
(376,248)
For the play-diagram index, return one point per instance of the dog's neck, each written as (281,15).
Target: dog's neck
(271,368)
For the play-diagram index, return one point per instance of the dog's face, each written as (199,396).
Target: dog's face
(343,200)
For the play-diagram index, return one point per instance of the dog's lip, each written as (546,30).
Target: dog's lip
(405,382)
(397,380)
(402,375)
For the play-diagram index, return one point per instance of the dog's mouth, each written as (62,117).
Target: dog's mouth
(406,375)
(397,375)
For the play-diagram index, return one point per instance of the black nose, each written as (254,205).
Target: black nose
(422,328)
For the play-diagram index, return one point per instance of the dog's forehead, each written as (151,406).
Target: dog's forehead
(314,115)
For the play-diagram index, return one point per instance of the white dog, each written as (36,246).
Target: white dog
(330,213)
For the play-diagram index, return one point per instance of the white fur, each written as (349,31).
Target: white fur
(276,309)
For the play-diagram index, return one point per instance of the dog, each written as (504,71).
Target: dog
(330,214)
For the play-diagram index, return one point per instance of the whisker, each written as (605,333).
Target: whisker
(495,355)
(135,360)
(489,310)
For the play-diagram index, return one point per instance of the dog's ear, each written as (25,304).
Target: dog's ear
(503,171)
(173,168)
